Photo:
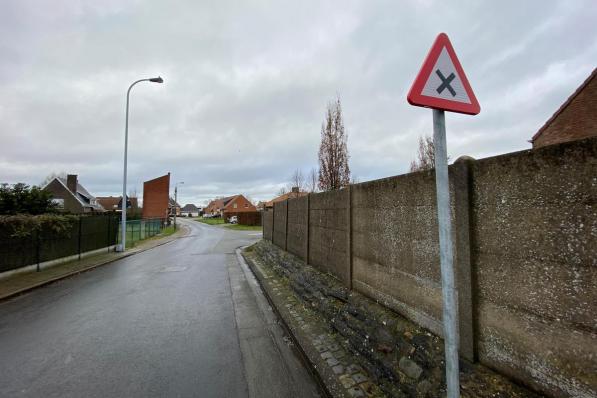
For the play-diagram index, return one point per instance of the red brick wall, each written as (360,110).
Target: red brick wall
(155,197)
(576,121)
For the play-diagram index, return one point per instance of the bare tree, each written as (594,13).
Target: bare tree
(312,180)
(425,156)
(334,172)
(297,180)
(282,191)
(51,176)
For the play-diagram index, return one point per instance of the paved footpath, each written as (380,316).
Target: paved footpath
(185,319)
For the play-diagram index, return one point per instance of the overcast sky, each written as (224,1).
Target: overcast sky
(247,83)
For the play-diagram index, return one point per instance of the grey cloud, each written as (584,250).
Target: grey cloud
(247,84)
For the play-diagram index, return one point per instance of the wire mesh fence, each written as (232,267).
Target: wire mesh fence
(87,233)
(137,230)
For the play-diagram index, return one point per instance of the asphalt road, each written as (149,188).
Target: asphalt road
(185,319)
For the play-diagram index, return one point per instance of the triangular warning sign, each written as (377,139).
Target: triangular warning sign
(441,82)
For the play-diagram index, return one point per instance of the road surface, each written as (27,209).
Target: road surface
(185,319)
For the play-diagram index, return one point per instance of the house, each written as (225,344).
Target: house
(155,197)
(574,120)
(72,197)
(190,210)
(294,193)
(173,206)
(228,206)
(114,204)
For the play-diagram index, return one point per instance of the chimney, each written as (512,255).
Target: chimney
(71,183)
(295,189)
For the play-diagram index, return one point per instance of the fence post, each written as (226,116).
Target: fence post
(108,241)
(286,229)
(349,235)
(308,222)
(461,177)
(273,221)
(80,233)
(37,249)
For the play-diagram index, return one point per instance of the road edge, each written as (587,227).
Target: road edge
(312,367)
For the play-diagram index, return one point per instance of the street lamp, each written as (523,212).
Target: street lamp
(176,199)
(126,140)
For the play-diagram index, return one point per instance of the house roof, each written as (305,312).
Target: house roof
(288,195)
(83,196)
(220,203)
(565,104)
(171,202)
(190,208)
(113,202)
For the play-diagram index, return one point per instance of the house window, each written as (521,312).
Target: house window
(235,205)
(246,205)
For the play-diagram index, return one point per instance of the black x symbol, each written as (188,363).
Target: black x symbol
(446,83)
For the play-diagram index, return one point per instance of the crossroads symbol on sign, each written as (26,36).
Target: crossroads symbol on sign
(445,82)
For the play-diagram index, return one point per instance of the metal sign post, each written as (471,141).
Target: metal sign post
(442,85)
(444,218)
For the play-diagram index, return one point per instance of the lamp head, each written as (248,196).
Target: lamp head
(156,80)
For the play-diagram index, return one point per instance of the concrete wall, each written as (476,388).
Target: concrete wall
(535,255)
(298,239)
(525,245)
(280,217)
(329,233)
(267,217)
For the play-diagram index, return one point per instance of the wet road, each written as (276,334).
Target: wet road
(185,319)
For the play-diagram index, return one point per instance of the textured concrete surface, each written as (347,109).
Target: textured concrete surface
(178,320)
(328,232)
(535,253)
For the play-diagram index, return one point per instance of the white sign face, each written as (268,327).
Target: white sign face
(444,81)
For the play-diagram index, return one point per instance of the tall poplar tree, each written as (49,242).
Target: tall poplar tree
(334,172)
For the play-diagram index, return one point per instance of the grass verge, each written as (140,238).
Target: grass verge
(238,227)
(211,221)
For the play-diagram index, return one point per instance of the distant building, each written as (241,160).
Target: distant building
(173,207)
(72,197)
(114,203)
(574,120)
(228,206)
(155,197)
(190,210)
(294,193)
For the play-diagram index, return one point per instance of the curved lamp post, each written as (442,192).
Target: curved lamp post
(158,79)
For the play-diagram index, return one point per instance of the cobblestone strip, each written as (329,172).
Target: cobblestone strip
(326,351)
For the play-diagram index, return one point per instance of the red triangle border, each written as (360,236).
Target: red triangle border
(416,98)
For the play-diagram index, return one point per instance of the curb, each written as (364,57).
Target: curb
(80,271)
(304,357)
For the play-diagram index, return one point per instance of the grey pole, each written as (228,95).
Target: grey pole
(176,200)
(126,141)
(449,292)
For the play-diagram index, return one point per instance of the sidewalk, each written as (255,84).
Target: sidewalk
(22,282)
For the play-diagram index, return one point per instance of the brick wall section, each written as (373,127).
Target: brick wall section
(297,226)
(155,197)
(535,254)
(279,238)
(267,223)
(576,120)
(328,231)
